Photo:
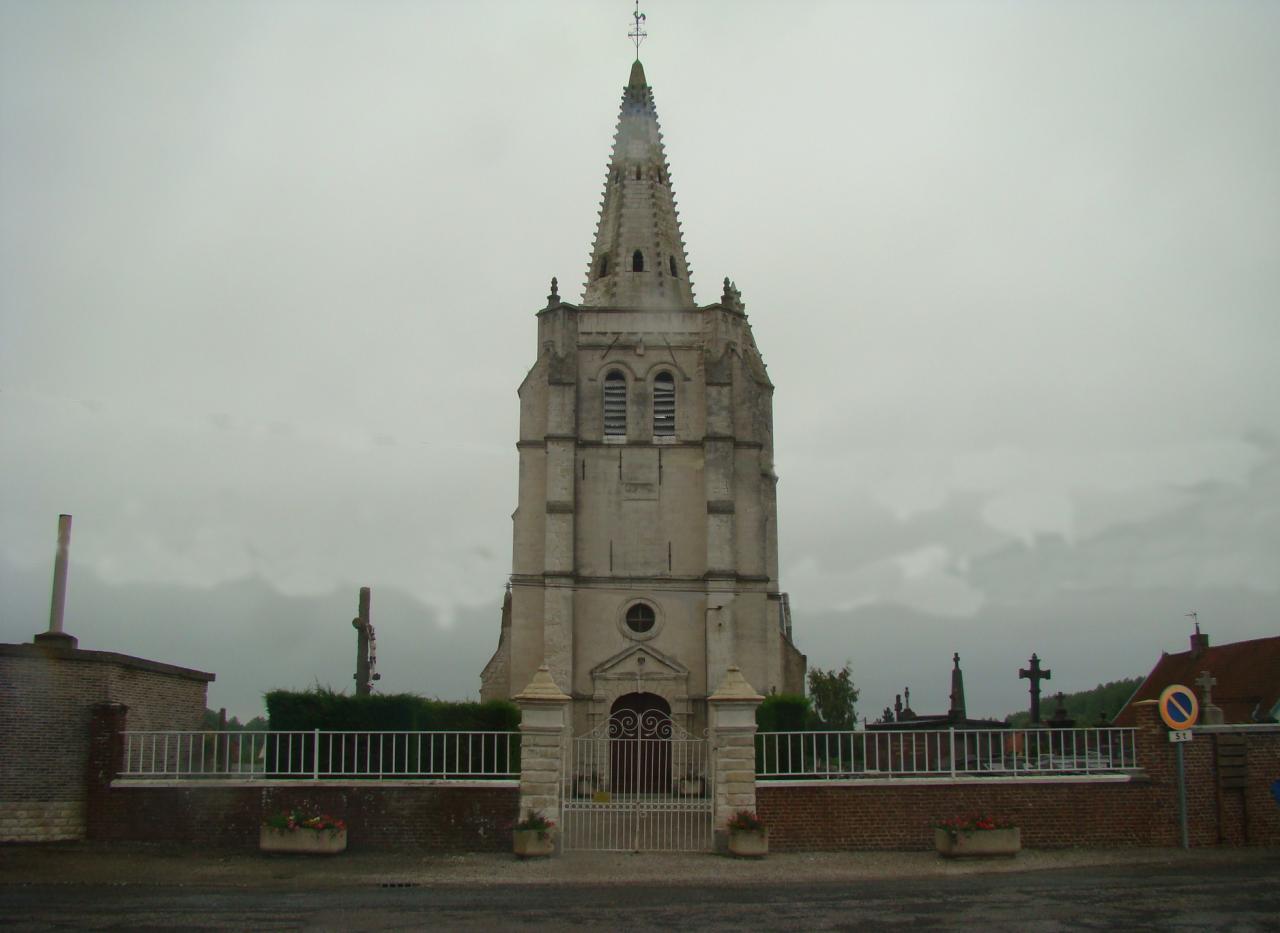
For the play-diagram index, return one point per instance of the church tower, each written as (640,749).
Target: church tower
(645,555)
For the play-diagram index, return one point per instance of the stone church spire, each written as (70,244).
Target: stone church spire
(638,258)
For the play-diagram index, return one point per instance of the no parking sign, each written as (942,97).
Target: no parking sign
(1179,707)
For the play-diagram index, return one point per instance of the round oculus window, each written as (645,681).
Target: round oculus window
(640,618)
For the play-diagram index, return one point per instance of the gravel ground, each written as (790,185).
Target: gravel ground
(84,863)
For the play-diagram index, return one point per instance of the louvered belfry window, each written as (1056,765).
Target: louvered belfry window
(664,405)
(615,404)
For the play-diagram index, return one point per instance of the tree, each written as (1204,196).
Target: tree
(1088,707)
(834,696)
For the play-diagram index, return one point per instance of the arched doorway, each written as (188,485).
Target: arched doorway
(640,744)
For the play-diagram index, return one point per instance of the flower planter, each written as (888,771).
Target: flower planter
(978,843)
(749,843)
(691,787)
(532,843)
(302,841)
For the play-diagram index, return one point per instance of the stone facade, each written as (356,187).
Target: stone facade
(46,700)
(645,554)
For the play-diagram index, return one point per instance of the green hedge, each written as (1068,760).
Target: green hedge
(320,708)
(784,712)
(801,752)
(367,751)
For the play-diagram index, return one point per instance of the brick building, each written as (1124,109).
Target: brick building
(1245,674)
(47,696)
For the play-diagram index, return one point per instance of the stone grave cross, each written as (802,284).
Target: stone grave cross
(1210,715)
(1035,675)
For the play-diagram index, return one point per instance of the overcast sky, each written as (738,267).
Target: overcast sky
(268,276)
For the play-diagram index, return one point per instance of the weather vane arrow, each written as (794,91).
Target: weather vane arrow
(637,34)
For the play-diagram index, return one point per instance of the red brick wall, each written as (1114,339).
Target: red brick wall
(1143,812)
(901,816)
(439,818)
(817,816)
(1250,815)
(428,817)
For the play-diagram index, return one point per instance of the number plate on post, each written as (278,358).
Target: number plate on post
(1183,736)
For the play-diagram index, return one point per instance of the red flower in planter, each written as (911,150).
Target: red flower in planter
(968,824)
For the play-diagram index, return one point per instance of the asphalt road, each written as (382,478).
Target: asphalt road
(1239,896)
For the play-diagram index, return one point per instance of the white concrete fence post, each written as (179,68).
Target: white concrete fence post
(544,733)
(733,745)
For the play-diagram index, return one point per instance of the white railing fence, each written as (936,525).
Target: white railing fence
(944,753)
(321,754)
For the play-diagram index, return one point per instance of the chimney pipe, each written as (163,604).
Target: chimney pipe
(55,636)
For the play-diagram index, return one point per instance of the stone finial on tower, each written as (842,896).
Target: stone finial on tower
(731,297)
(553,299)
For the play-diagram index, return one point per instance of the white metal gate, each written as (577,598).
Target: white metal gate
(637,782)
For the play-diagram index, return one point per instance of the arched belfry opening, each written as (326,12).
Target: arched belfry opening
(637,261)
(640,744)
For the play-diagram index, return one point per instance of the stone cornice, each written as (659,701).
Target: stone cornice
(687,584)
(42,652)
(562,306)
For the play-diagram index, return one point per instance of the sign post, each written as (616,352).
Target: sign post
(1179,709)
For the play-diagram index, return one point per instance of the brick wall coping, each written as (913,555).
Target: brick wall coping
(326,784)
(103,657)
(1229,727)
(1123,778)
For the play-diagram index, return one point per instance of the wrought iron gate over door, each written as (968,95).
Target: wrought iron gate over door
(637,782)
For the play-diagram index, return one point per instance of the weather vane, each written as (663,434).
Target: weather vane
(637,34)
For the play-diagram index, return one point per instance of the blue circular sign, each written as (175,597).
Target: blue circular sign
(1179,707)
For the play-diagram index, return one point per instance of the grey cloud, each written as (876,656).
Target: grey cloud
(1012,268)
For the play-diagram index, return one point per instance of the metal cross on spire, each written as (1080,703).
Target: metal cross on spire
(637,34)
